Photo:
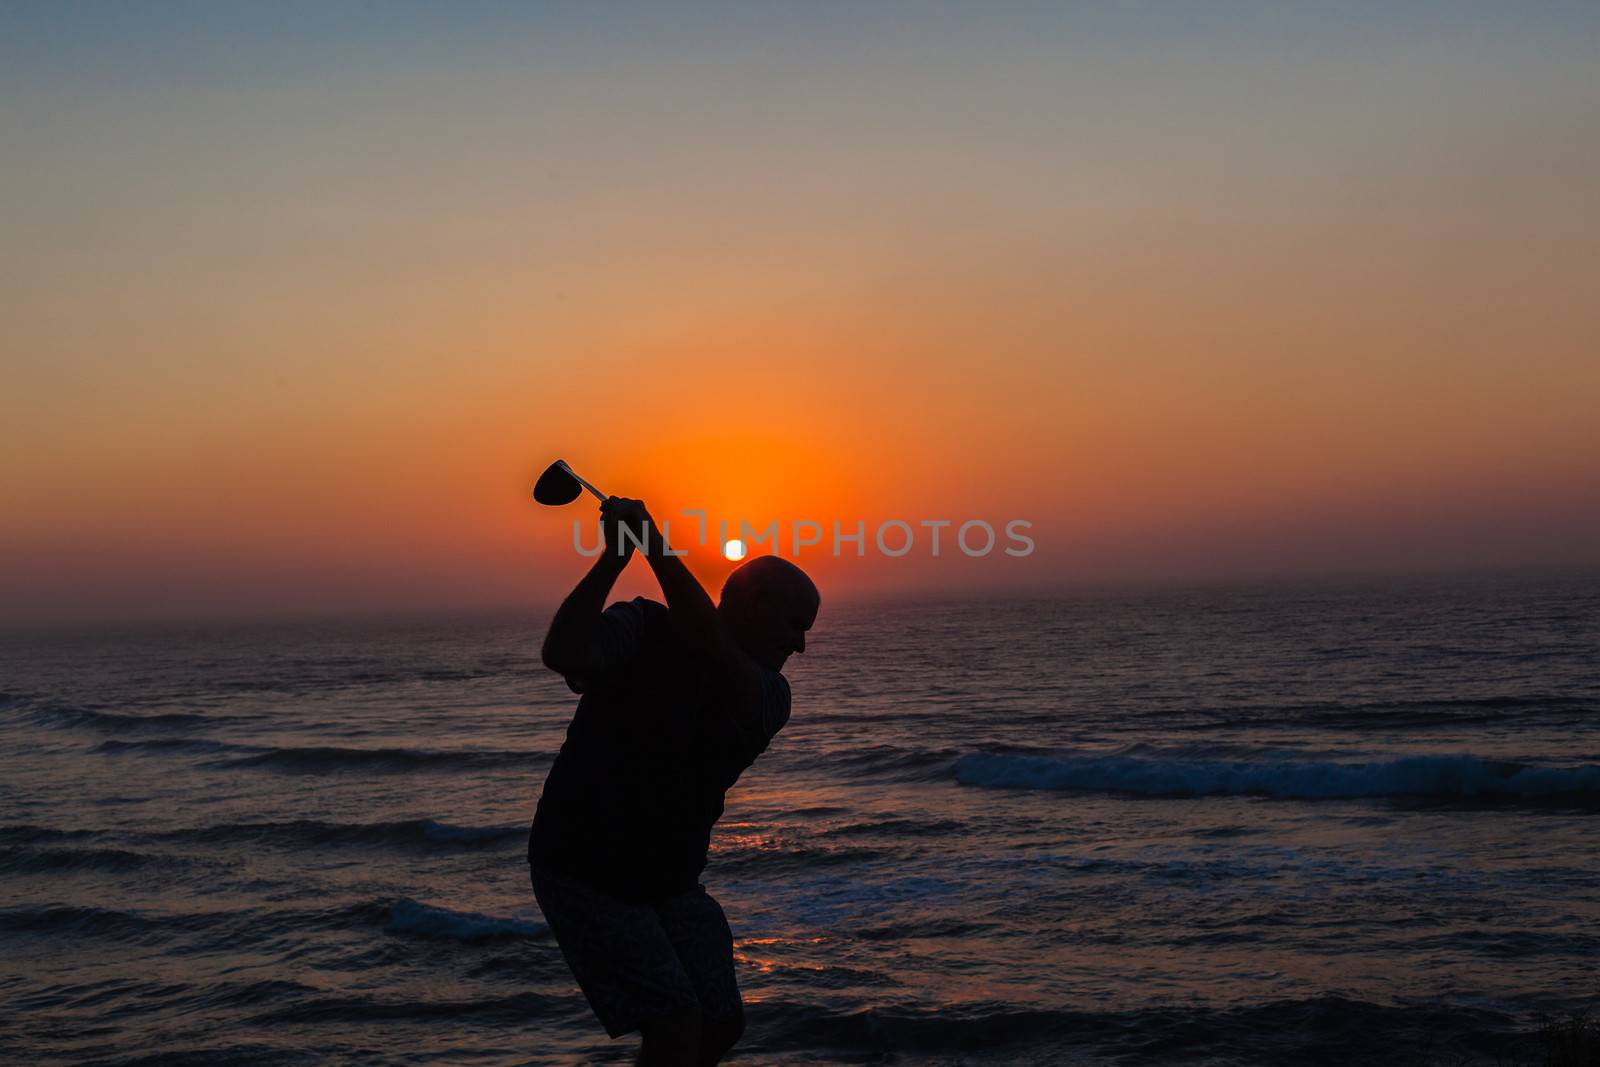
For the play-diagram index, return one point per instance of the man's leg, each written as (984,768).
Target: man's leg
(698,930)
(718,1037)
(671,1042)
(625,964)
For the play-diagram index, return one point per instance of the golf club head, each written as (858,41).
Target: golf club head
(556,486)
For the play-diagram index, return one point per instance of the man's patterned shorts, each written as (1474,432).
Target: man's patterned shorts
(638,962)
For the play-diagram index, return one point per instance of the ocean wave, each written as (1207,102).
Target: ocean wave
(241,927)
(1323,1030)
(895,827)
(330,676)
(328,759)
(426,920)
(925,926)
(774,858)
(912,762)
(1440,711)
(58,920)
(163,744)
(1444,776)
(512,1008)
(445,833)
(72,716)
(35,860)
(890,1029)
(28,834)
(298,833)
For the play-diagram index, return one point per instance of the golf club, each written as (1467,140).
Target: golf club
(560,484)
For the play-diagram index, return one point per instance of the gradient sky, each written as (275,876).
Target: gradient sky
(296,301)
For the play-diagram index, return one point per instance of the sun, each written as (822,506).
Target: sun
(733,549)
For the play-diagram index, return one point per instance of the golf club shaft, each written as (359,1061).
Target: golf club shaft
(598,495)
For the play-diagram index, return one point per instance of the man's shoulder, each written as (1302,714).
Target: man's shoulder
(646,625)
(636,614)
(641,614)
(642,604)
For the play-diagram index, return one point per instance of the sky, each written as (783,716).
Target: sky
(296,301)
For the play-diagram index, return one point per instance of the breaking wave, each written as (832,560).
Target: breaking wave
(426,920)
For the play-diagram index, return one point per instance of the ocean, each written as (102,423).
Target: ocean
(1278,824)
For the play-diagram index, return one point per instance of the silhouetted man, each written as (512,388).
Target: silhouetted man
(677,700)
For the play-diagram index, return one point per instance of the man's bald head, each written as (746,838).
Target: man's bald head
(767,576)
(770,604)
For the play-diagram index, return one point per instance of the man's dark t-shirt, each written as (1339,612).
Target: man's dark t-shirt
(658,738)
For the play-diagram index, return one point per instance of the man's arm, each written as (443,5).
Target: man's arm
(575,631)
(693,614)
(763,695)
(570,645)
(694,617)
